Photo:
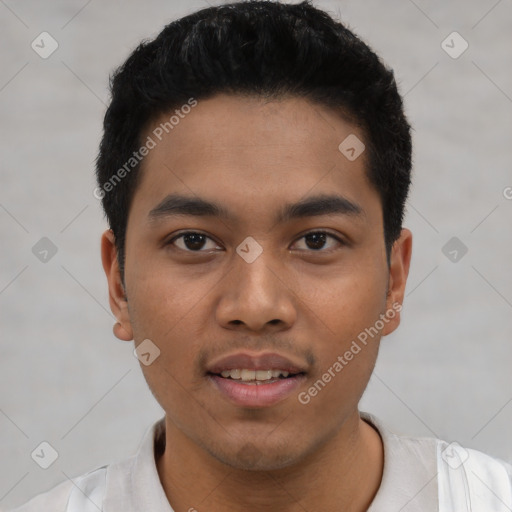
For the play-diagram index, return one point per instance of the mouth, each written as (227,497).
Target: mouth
(255,381)
(256,377)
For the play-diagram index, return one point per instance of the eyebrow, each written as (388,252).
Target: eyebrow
(313,206)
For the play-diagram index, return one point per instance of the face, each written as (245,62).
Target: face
(254,243)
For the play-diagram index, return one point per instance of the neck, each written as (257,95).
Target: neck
(343,474)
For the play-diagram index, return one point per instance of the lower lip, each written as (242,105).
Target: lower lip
(257,395)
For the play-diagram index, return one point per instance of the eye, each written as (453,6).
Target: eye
(192,241)
(317,240)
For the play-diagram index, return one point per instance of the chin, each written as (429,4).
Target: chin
(251,457)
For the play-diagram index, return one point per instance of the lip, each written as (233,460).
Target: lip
(256,395)
(261,361)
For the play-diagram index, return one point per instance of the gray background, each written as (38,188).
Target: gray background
(64,377)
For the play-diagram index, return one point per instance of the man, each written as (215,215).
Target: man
(254,169)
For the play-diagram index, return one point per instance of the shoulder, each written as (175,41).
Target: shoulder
(71,495)
(122,485)
(55,499)
(468,477)
(429,472)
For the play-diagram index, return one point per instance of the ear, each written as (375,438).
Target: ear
(400,260)
(116,292)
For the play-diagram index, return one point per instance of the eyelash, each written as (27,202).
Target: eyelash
(318,232)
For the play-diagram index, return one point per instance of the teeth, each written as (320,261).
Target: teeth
(247,375)
(263,374)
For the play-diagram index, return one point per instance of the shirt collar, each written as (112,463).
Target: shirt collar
(409,480)
(134,484)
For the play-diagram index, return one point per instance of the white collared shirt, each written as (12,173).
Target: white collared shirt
(420,474)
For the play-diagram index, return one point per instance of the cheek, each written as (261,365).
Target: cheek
(346,301)
(338,388)
(175,392)
(173,376)
(165,312)
(161,297)
(346,311)
(346,352)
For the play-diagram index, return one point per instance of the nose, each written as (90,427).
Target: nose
(255,296)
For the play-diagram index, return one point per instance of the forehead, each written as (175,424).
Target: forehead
(247,152)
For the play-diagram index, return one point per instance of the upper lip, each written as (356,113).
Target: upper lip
(261,361)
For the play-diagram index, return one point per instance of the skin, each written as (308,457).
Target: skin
(253,157)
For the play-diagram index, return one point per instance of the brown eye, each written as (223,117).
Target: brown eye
(193,242)
(317,240)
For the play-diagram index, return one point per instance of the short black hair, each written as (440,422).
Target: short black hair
(258,48)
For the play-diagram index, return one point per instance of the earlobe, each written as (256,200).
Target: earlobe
(117,297)
(121,333)
(400,260)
